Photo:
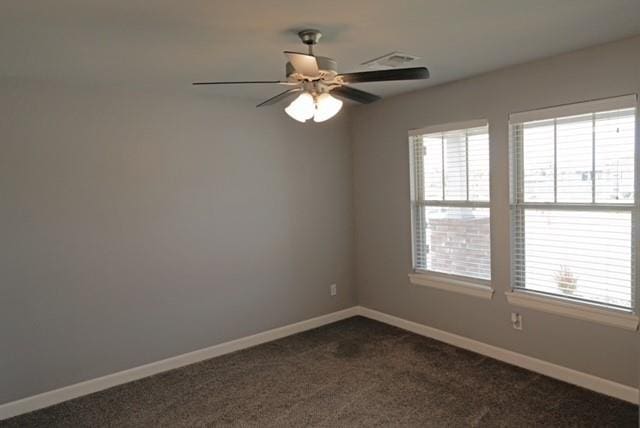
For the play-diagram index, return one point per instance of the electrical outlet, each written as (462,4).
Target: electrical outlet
(333,289)
(516,320)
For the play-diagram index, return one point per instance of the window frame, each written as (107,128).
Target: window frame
(575,307)
(473,286)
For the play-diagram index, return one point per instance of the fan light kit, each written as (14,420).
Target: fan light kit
(315,79)
(320,108)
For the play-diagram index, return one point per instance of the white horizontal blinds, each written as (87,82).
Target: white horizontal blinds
(574,160)
(450,201)
(455,165)
(574,204)
(478,164)
(614,160)
(424,183)
(539,157)
(578,254)
(433,168)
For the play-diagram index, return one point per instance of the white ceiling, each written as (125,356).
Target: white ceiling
(172,43)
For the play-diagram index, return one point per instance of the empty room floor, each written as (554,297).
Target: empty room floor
(356,372)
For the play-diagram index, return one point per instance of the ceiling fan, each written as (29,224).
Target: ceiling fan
(315,79)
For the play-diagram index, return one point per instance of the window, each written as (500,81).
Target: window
(450,200)
(574,201)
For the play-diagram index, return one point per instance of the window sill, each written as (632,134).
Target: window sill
(449,284)
(559,306)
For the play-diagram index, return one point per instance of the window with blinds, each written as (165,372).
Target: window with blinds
(575,201)
(450,200)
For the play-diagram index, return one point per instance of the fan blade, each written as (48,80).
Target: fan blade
(245,82)
(415,73)
(303,63)
(281,96)
(354,94)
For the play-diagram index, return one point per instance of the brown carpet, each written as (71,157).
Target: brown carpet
(355,372)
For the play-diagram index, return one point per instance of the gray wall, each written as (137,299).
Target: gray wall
(383,231)
(139,225)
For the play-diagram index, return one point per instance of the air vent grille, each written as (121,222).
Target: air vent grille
(390,60)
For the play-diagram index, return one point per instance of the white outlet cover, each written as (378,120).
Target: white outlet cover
(516,320)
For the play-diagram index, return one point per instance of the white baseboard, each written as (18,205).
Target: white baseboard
(56,396)
(564,374)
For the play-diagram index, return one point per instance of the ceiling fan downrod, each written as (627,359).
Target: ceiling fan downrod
(310,38)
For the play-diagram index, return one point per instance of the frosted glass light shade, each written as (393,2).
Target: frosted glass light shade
(302,108)
(326,107)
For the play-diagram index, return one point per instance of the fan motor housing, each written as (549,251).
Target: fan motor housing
(327,66)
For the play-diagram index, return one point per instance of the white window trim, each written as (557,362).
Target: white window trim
(452,126)
(564,307)
(556,304)
(574,109)
(482,290)
(440,280)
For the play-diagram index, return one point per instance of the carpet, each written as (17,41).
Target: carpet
(353,373)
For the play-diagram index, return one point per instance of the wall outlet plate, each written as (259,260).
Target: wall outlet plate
(516,320)
(333,289)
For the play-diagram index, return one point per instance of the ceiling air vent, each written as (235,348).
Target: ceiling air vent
(390,60)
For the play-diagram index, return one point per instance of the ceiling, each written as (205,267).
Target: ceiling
(172,43)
